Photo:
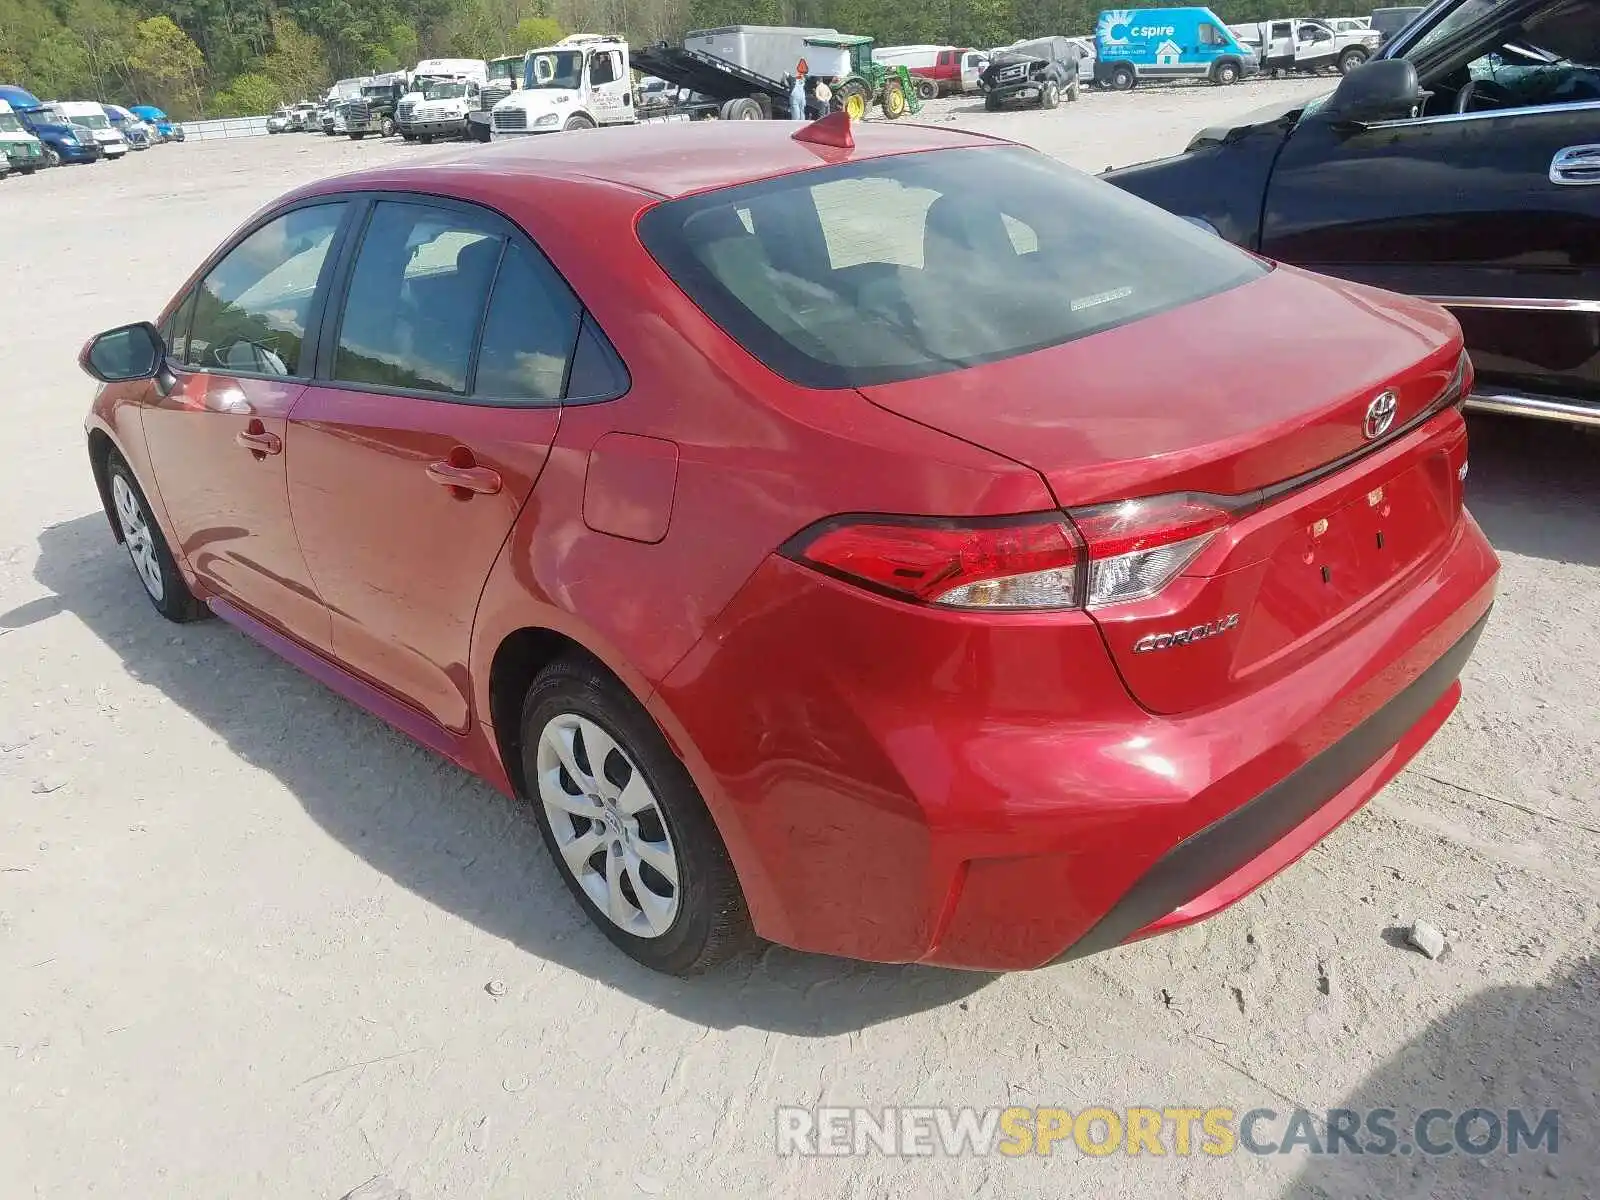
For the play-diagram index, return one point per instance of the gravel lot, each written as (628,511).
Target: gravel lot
(246,931)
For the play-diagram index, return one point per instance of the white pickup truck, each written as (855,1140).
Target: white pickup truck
(1300,45)
(582,82)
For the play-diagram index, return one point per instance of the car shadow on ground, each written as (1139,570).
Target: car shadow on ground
(1507,1048)
(1533,486)
(428,825)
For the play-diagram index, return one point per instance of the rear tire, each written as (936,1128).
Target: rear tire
(656,877)
(147,547)
(744,109)
(1123,78)
(927,89)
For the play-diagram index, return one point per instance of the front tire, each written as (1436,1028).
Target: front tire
(894,101)
(577,121)
(147,548)
(1226,73)
(52,158)
(630,835)
(386,127)
(1050,95)
(1350,60)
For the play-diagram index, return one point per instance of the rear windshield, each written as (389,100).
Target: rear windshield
(896,268)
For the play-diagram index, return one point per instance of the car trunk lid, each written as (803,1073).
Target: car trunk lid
(1307,407)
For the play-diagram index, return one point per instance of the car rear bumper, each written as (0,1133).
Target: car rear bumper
(900,784)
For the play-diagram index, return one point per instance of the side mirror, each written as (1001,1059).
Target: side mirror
(123,354)
(1384,89)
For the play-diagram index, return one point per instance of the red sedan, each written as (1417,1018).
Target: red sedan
(898,546)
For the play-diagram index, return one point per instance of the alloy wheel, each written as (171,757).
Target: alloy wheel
(609,829)
(137,536)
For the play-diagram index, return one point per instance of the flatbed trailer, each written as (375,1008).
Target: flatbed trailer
(723,81)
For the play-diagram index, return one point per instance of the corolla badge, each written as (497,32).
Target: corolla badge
(1185,637)
(1380,415)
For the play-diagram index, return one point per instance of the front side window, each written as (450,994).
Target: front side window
(603,68)
(416,298)
(906,266)
(251,310)
(1210,35)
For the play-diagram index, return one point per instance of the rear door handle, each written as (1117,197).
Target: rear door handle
(1576,166)
(258,441)
(481,480)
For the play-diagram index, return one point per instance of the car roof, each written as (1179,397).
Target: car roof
(667,160)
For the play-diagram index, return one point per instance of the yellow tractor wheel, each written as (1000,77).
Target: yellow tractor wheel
(894,101)
(855,105)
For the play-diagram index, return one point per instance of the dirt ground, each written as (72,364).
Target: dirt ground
(246,930)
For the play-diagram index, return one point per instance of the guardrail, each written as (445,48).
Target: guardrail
(224,127)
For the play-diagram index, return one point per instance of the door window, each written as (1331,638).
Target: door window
(946,57)
(1210,35)
(1280,29)
(605,68)
(416,299)
(530,331)
(251,310)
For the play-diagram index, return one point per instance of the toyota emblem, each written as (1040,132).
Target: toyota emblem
(1380,415)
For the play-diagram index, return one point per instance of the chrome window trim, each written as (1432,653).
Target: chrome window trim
(1486,115)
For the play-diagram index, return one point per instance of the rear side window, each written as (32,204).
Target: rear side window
(907,266)
(529,334)
(416,298)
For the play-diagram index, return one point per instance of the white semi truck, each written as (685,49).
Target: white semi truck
(443,91)
(582,82)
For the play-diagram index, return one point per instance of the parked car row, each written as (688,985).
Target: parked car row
(34,134)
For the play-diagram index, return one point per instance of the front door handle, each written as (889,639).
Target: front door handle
(465,476)
(255,438)
(1576,166)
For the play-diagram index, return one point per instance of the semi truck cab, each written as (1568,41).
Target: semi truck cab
(581,82)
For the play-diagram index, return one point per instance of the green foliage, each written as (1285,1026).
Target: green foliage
(248,95)
(532,32)
(164,63)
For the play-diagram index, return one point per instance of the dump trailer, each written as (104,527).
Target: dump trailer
(747,69)
(741,94)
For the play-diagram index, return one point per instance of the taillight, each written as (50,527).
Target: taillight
(1109,554)
(1022,562)
(1137,547)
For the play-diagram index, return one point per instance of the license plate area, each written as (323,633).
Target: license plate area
(1339,559)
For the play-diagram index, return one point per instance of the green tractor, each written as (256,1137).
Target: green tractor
(870,82)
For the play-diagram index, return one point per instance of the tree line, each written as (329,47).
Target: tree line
(209,58)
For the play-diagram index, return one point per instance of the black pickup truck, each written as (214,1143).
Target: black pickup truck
(1461,165)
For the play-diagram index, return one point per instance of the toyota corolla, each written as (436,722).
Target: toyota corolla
(883,541)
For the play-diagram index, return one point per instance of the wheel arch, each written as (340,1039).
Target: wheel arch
(100,448)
